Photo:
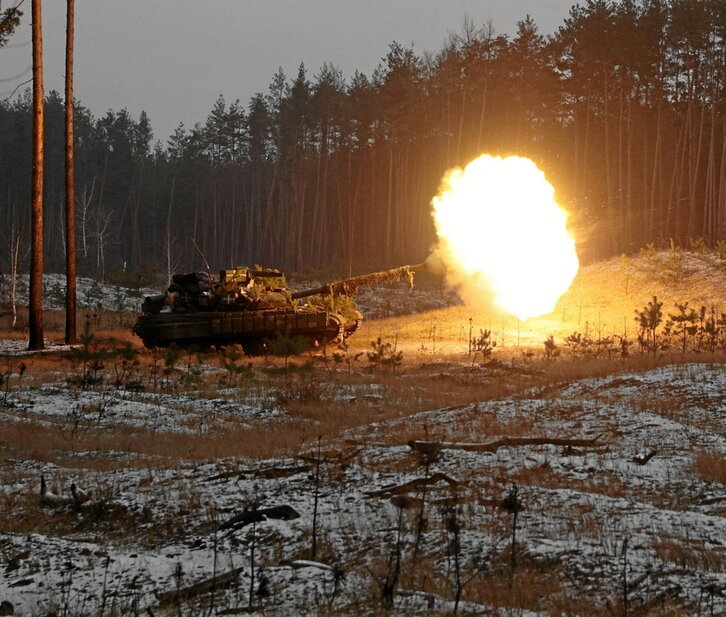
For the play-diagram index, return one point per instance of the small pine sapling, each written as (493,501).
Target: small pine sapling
(482,345)
(683,324)
(712,329)
(384,356)
(551,350)
(576,344)
(171,357)
(231,356)
(90,358)
(5,381)
(623,346)
(648,320)
(126,364)
(192,376)
(286,346)
(344,355)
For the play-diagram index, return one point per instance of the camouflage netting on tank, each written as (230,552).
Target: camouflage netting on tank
(350,286)
(341,304)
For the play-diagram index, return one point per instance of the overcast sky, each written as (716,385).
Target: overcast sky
(173,58)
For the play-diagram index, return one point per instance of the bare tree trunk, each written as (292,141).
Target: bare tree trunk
(35,303)
(85,202)
(653,229)
(481,118)
(389,204)
(70,184)
(14,261)
(709,198)
(168,230)
(721,205)
(694,182)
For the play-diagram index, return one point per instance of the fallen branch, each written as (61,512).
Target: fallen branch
(407,502)
(432,448)
(298,564)
(284,513)
(281,472)
(328,456)
(266,472)
(412,485)
(222,476)
(366,443)
(216,582)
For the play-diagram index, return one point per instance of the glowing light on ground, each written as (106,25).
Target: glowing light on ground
(502,234)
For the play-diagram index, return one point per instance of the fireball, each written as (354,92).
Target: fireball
(502,235)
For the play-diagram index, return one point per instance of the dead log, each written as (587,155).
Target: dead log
(246,517)
(23,582)
(432,448)
(222,476)
(266,472)
(216,582)
(299,564)
(331,455)
(644,458)
(412,485)
(281,472)
(366,443)
(410,503)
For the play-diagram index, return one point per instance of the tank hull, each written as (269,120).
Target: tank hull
(251,329)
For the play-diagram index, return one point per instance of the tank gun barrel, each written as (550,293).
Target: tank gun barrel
(351,285)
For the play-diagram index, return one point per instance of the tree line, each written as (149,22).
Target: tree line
(624,108)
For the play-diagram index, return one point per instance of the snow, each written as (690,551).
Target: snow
(150,528)
(91,293)
(578,513)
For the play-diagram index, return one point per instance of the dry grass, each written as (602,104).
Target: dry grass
(313,406)
(544,476)
(535,586)
(690,553)
(710,467)
(50,444)
(602,298)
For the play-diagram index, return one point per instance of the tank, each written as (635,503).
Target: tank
(253,307)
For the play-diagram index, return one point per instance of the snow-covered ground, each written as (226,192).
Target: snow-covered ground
(92,294)
(605,528)
(385,301)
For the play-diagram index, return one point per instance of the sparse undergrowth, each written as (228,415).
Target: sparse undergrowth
(174,446)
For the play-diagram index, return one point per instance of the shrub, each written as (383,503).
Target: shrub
(90,358)
(384,355)
(648,320)
(231,356)
(483,345)
(344,355)
(286,346)
(551,350)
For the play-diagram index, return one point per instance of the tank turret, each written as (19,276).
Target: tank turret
(252,306)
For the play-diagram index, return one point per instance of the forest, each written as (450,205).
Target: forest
(624,108)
